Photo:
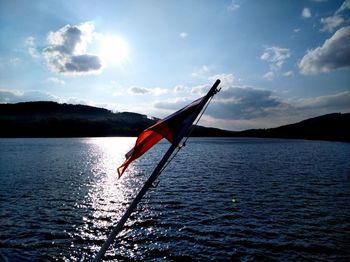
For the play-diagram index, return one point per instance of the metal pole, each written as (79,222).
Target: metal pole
(154,175)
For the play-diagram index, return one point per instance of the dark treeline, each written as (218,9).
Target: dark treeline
(50,119)
(332,127)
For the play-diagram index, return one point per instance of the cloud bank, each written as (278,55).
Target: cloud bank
(231,103)
(245,107)
(242,103)
(67,50)
(333,54)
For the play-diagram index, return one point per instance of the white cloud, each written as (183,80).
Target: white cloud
(334,102)
(331,22)
(306,13)
(31,47)
(77,101)
(345,6)
(296,30)
(14,96)
(333,54)
(172,104)
(139,90)
(67,50)
(269,76)
(201,72)
(56,80)
(183,35)
(14,61)
(180,88)
(200,89)
(234,5)
(276,56)
(288,73)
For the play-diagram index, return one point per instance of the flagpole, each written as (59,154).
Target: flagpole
(213,90)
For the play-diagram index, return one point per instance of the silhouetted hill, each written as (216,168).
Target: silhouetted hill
(50,119)
(332,127)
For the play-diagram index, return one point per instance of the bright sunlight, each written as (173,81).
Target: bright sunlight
(113,49)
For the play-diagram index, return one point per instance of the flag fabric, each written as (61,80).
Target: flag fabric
(167,128)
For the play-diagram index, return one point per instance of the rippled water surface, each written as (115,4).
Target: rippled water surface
(222,199)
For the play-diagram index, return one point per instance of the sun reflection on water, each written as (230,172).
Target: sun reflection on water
(107,196)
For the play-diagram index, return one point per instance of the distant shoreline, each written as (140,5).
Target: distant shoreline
(68,137)
(53,120)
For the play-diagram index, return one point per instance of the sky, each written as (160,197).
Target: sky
(279,62)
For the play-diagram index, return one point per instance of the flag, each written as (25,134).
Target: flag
(167,128)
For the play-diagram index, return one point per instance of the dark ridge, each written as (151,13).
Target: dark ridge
(50,119)
(332,127)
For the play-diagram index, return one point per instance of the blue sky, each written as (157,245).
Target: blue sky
(279,61)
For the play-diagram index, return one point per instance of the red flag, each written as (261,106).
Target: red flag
(167,128)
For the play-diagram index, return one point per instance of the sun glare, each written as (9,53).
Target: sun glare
(113,49)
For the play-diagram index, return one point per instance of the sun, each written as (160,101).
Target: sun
(113,49)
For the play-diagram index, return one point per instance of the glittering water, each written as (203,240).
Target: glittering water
(220,199)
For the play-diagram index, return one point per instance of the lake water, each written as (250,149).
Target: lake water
(221,199)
